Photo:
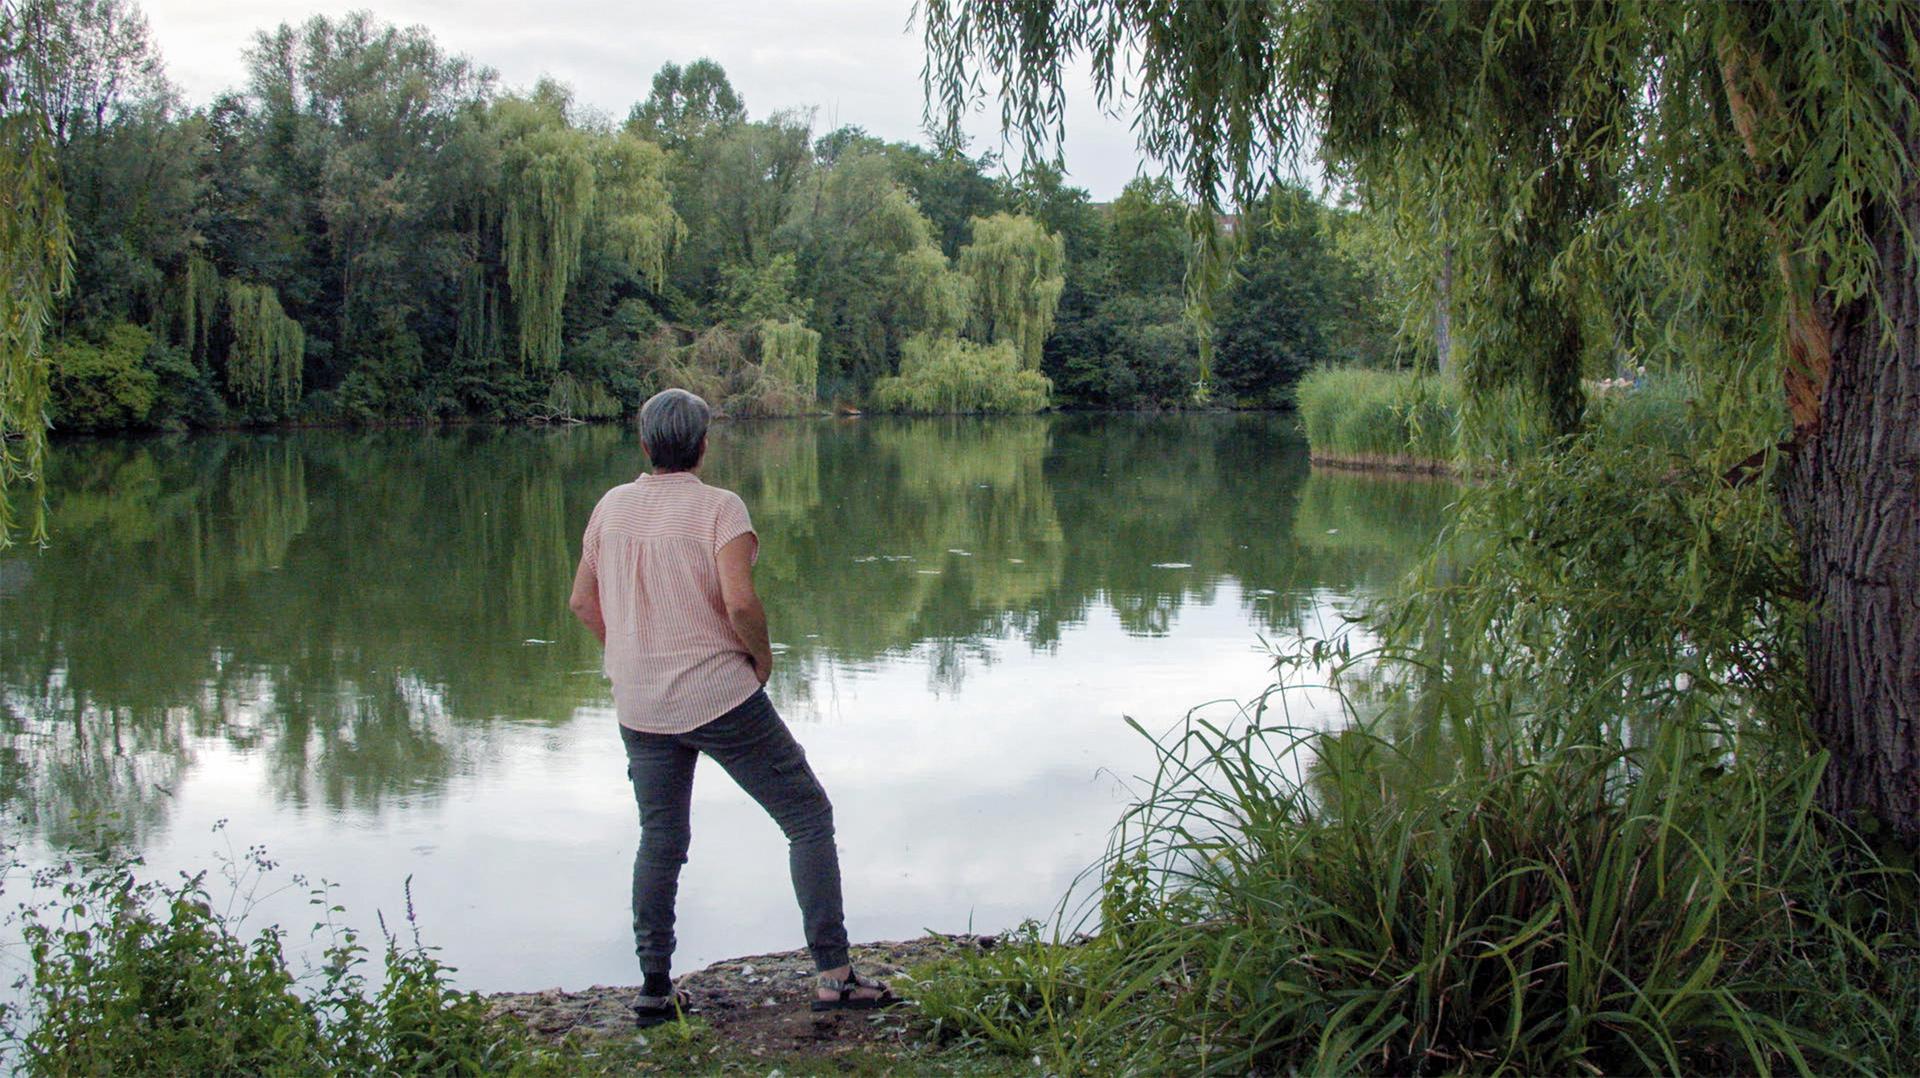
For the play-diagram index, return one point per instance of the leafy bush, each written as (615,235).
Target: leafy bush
(944,375)
(715,364)
(137,977)
(103,383)
(186,396)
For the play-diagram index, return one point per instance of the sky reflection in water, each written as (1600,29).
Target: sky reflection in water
(355,647)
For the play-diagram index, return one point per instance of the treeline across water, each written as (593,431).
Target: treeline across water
(374,230)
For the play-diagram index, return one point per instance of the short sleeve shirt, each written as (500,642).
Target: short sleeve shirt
(672,654)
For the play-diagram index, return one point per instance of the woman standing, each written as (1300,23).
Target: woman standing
(666,583)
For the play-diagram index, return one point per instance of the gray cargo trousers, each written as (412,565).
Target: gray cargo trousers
(753,745)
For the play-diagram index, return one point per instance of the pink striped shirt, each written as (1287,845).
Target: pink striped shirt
(672,655)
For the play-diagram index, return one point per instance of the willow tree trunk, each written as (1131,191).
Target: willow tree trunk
(1443,311)
(1853,495)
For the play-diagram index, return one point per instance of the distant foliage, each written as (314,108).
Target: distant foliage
(267,350)
(105,384)
(1380,417)
(635,207)
(717,365)
(196,301)
(942,374)
(1297,302)
(938,298)
(571,397)
(1399,418)
(548,192)
(685,103)
(450,248)
(1018,271)
(790,354)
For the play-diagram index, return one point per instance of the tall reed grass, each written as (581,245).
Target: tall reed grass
(1395,419)
(1383,418)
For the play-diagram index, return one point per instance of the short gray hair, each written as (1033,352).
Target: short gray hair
(672,424)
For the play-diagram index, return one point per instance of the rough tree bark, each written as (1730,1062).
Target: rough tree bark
(1852,491)
(1851,488)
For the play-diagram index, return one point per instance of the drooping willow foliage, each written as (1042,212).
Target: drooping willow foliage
(548,191)
(790,353)
(198,295)
(477,334)
(938,298)
(1018,270)
(636,207)
(268,349)
(572,398)
(1588,156)
(940,375)
(36,267)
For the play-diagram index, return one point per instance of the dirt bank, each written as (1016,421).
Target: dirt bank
(755,1006)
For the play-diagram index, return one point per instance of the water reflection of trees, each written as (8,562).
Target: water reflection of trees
(363,612)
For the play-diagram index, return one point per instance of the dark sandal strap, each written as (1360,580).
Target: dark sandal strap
(679,999)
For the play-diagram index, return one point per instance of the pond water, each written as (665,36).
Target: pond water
(355,649)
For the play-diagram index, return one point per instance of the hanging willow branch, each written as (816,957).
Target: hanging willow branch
(790,354)
(638,219)
(548,192)
(1018,272)
(268,348)
(198,306)
(36,267)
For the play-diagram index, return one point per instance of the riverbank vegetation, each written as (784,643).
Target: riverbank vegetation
(1624,778)
(1565,818)
(374,230)
(1419,421)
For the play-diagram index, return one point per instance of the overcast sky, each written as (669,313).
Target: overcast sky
(855,61)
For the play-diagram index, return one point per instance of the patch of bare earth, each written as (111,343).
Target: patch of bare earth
(758,1005)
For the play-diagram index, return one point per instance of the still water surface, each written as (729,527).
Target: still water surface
(355,648)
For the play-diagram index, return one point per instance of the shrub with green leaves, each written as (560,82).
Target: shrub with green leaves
(946,375)
(134,976)
(104,383)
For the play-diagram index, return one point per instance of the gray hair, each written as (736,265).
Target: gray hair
(672,424)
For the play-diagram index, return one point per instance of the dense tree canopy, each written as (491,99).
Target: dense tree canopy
(371,230)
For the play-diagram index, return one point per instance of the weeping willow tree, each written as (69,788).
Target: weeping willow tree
(571,398)
(936,297)
(790,353)
(547,194)
(636,214)
(1018,270)
(1676,148)
(267,350)
(196,306)
(946,375)
(36,258)
(477,331)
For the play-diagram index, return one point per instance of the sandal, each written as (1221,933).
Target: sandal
(846,988)
(650,1011)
